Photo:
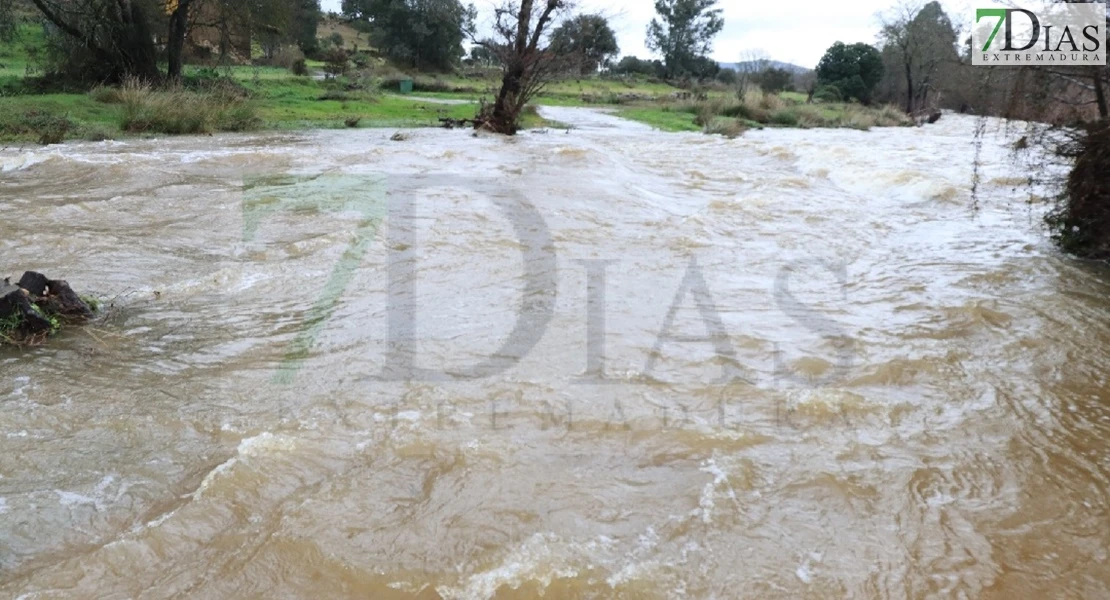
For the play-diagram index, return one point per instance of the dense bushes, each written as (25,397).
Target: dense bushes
(423,83)
(44,127)
(179,110)
(1081,222)
(755,108)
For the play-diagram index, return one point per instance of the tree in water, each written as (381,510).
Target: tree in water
(587,40)
(527,62)
(683,33)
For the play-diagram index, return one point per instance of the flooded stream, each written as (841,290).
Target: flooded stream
(603,362)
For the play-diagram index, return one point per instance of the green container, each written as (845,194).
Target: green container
(406,86)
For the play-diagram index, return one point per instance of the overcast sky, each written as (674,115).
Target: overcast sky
(792,32)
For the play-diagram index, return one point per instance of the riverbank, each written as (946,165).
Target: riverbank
(271,98)
(274,98)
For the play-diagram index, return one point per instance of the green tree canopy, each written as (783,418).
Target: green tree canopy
(775,80)
(853,69)
(683,33)
(109,40)
(587,40)
(917,46)
(425,34)
(303,26)
(630,65)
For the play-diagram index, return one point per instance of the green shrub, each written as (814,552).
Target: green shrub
(95,133)
(730,128)
(785,117)
(106,95)
(47,128)
(1080,221)
(241,116)
(336,61)
(828,93)
(182,111)
(338,95)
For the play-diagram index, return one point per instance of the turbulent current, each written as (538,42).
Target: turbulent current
(603,362)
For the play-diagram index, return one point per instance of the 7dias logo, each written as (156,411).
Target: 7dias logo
(1053,34)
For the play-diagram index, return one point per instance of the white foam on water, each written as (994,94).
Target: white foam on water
(25,160)
(720,479)
(804,572)
(21,384)
(532,561)
(100,498)
(262,444)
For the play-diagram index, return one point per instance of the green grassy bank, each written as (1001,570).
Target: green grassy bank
(241,98)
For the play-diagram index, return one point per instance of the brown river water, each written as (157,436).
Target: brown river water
(609,362)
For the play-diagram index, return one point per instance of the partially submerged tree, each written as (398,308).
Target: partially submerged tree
(527,64)
(588,41)
(683,33)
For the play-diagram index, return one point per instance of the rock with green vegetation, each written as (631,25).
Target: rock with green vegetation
(37,307)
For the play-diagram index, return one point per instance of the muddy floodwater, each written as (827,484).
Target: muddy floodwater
(603,362)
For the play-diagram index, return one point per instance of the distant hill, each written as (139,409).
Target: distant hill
(351,37)
(749,65)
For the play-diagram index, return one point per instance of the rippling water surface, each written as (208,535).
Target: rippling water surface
(608,362)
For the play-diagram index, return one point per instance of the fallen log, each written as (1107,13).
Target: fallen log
(37,307)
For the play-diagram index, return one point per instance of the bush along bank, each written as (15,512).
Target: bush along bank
(1080,223)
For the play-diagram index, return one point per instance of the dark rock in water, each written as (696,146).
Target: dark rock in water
(64,302)
(34,283)
(935,116)
(34,309)
(14,300)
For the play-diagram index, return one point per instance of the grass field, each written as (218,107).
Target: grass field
(277,99)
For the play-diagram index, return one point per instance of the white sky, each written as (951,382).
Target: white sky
(795,32)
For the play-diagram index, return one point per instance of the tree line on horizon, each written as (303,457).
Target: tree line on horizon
(919,62)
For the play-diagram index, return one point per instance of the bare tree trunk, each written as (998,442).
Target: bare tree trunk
(909,89)
(505,111)
(175,46)
(1100,96)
